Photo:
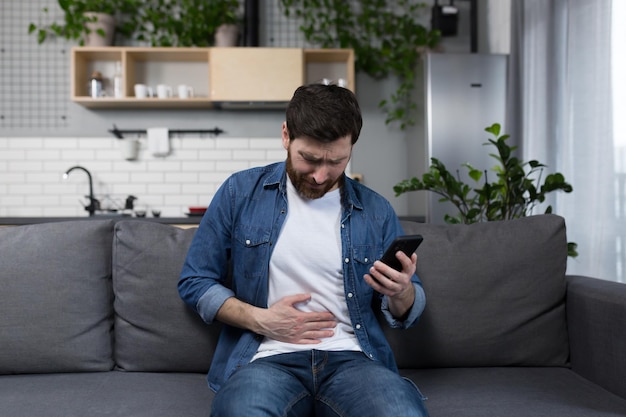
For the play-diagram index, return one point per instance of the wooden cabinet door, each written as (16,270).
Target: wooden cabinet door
(255,74)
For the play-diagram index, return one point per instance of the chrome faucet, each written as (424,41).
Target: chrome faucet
(93,203)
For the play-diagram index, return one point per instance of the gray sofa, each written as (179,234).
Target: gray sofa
(91,324)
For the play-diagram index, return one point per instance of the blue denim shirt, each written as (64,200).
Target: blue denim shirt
(239,231)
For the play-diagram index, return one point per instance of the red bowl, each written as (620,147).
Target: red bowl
(197,210)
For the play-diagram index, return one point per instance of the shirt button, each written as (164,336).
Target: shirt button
(347,260)
(365,260)
(350,295)
(248,242)
(343,226)
(358,326)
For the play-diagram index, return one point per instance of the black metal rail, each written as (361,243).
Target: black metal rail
(119,133)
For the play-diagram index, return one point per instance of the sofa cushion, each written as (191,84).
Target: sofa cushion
(154,329)
(513,392)
(495,295)
(56,299)
(105,394)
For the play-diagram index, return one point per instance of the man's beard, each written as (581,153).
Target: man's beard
(303,186)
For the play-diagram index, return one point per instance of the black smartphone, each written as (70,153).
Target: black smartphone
(407,244)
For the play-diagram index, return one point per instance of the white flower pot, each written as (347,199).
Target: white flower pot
(106,23)
(227,35)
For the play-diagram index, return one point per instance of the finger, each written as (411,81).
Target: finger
(306,341)
(320,325)
(385,274)
(388,283)
(408,263)
(312,321)
(376,284)
(320,317)
(380,269)
(313,337)
(296,299)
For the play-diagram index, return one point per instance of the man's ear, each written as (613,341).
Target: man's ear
(285,136)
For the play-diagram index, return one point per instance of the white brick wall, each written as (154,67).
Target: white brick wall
(31,172)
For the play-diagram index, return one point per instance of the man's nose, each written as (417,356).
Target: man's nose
(321,174)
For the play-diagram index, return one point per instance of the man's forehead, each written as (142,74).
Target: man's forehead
(319,149)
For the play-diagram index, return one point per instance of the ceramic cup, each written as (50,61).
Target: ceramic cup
(142,91)
(185,91)
(130,149)
(164,91)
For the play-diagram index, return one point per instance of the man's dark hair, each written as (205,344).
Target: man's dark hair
(324,113)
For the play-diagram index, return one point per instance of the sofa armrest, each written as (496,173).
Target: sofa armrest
(596,319)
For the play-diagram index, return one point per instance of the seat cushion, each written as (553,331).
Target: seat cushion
(513,391)
(154,329)
(495,295)
(56,300)
(105,394)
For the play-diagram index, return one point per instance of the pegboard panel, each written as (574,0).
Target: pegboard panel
(280,31)
(34,79)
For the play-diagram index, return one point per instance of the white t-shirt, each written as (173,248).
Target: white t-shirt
(307,259)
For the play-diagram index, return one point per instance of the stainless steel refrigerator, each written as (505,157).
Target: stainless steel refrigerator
(462,95)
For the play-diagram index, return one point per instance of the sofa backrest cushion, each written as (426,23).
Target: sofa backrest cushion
(154,329)
(56,300)
(495,295)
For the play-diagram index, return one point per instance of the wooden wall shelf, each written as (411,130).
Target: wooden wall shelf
(242,77)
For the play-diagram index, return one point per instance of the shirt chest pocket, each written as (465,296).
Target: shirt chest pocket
(251,248)
(365,255)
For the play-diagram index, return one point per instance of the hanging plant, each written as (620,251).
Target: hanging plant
(183,22)
(76,19)
(386,37)
(515,193)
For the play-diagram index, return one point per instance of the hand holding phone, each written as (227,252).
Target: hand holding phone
(407,244)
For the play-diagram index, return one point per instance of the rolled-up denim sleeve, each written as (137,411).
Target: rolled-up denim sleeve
(211,301)
(414,313)
(205,270)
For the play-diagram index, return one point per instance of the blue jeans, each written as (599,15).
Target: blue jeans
(318,383)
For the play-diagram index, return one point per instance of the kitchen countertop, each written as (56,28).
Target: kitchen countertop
(17,221)
(191,220)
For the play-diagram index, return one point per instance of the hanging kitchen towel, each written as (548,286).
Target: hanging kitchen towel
(159,141)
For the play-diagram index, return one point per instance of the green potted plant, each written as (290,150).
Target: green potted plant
(90,22)
(386,35)
(517,190)
(183,22)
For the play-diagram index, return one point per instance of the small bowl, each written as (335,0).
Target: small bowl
(197,210)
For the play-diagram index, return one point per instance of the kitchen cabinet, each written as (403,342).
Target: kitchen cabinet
(236,77)
(255,74)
